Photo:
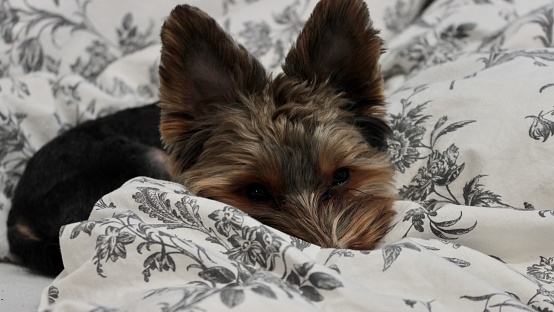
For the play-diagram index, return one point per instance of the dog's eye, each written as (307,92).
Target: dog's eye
(341,176)
(257,192)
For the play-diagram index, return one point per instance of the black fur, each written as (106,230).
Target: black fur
(375,131)
(66,177)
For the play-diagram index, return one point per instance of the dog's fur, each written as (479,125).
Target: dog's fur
(303,151)
(64,179)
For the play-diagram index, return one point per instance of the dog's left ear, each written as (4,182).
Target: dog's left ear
(338,45)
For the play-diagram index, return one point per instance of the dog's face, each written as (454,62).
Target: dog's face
(302,152)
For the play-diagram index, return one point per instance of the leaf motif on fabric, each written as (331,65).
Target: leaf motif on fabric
(544,213)
(227,220)
(390,254)
(311,293)
(410,303)
(335,268)
(541,128)
(459,262)
(303,269)
(218,274)
(452,127)
(409,245)
(101,204)
(293,278)
(506,299)
(544,270)
(325,281)
(53,294)
(299,244)
(154,203)
(160,261)
(475,195)
(129,37)
(439,228)
(85,226)
(110,246)
(232,297)
(264,290)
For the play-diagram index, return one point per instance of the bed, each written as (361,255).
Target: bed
(470,88)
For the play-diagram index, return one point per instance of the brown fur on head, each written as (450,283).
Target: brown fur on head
(302,152)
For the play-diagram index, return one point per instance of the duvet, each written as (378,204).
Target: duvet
(470,88)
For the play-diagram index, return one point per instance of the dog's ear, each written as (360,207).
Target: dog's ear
(201,68)
(338,45)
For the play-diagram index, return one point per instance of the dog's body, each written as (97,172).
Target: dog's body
(66,177)
(303,151)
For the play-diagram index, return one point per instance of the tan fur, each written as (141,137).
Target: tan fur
(228,126)
(26,231)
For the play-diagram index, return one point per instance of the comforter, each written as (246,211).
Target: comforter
(469,84)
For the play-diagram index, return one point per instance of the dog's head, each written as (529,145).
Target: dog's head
(304,151)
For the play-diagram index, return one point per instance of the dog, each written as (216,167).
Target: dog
(303,152)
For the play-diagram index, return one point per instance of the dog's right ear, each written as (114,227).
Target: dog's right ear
(201,68)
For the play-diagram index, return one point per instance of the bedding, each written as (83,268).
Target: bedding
(469,84)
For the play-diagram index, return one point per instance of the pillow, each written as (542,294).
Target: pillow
(470,103)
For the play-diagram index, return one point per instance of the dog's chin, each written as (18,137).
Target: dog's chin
(350,222)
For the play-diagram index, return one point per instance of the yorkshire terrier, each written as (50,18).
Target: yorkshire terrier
(303,152)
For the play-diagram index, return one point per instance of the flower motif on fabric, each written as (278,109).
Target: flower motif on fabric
(159,261)
(407,135)
(432,185)
(111,245)
(399,15)
(26,28)
(253,251)
(227,219)
(544,271)
(261,39)
(417,216)
(8,19)
(441,170)
(99,56)
(441,229)
(439,45)
(247,247)
(401,149)
(257,38)
(31,55)
(255,245)
(130,39)
(13,142)
(542,128)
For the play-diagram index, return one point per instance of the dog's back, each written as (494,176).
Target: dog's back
(65,178)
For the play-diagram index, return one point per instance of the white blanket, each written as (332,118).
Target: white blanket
(470,86)
(151,246)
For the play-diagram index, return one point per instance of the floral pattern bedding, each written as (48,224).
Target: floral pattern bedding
(470,85)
